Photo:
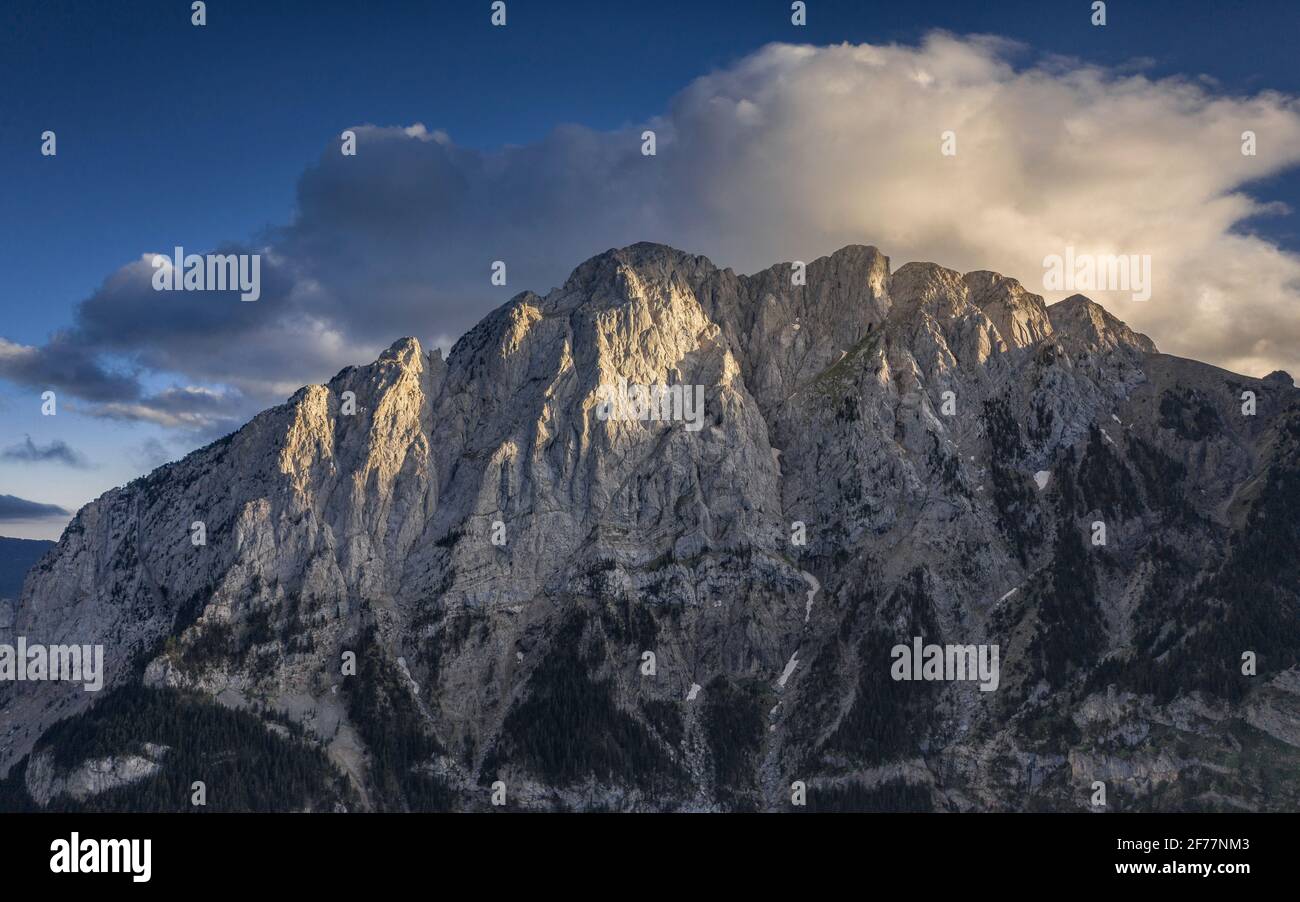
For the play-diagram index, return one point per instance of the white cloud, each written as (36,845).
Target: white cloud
(796,151)
(790,153)
(846,149)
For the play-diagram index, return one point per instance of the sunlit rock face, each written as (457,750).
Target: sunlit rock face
(445,574)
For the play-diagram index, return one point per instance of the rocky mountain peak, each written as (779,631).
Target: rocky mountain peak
(1083,323)
(608,277)
(928,288)
(847,458)
(405,350)
(1020,316)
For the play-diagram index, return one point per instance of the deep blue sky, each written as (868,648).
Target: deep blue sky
(170,134)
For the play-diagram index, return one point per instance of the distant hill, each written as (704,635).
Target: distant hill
(16,558)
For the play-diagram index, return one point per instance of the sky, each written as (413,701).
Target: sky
(522,143)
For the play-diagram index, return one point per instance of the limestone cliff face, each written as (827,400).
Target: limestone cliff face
(500,556)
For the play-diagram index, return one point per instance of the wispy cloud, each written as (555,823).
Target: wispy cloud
(57,451)
(14,508)
(151,454)
(189,407)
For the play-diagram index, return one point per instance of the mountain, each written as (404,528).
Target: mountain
(484,579)
(16,558)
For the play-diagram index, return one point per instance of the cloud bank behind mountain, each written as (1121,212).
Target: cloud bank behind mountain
(789,153)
